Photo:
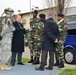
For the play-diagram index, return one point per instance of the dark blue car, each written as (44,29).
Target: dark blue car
(70,44)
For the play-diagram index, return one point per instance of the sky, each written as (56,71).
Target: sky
(24,5)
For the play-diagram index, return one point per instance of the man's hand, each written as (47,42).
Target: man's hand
(56,41)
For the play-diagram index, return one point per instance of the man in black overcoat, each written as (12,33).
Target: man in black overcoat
(18,41)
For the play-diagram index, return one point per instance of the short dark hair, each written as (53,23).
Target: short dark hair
(42,15)
(35,11)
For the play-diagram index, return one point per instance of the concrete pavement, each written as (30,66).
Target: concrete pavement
(29,69)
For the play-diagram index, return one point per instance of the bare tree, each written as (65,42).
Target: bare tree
(59,4)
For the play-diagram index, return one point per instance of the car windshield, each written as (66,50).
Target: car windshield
(71,28)
(72,32)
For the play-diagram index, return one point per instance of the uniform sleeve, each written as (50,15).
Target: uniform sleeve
(3,30)
(58,33)
(40,28)
(10,25)
(63,33)
(3,21)
(12,28)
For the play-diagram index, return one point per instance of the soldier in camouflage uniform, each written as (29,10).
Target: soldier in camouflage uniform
(6,34)
(35,38)
(63,32)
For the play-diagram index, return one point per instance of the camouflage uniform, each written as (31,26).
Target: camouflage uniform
(63,32)
(7,34)
(35,36)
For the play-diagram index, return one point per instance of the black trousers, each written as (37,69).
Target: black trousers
(44,58)
(13,59)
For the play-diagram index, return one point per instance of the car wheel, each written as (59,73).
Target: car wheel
(69,56)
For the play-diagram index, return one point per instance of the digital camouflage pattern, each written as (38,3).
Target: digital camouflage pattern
(6,34)
(35,36)
(63,32)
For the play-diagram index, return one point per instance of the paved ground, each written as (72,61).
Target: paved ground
(26,54)
(28,69)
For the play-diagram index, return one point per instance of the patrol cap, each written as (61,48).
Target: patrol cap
(42,15)
(8,10)
(61,15)
(35,11)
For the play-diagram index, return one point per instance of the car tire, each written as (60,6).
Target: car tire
(69,56)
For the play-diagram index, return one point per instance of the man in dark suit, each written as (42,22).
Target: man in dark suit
(49,39)
(18,41)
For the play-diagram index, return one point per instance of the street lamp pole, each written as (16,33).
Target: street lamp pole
(30,7)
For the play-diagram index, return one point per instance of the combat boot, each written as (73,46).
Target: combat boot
(39,69)
(4,67)
(31,60)
(36,61)
(61,65)
(57,62)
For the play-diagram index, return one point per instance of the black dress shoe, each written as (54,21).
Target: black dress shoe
(48,68)
(61,65)
(57,62)
(30,61)
(13,64)
(39,69)
(21,64)
(35,62)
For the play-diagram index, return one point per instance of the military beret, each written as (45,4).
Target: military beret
(35,11)
(42,15)
(61,15)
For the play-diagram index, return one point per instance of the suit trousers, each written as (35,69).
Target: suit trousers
(13,59)
(44,58)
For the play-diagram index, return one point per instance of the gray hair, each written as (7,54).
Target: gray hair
(17,16)
(49,15)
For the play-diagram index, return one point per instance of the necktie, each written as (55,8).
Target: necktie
(20,26)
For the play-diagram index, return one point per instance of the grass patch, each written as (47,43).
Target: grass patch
(68,72)
(24,60)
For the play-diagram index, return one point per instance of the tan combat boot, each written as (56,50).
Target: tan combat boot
(4,67)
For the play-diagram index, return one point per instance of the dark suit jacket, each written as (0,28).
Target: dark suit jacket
(50,33)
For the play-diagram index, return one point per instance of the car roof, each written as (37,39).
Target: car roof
(71,25)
